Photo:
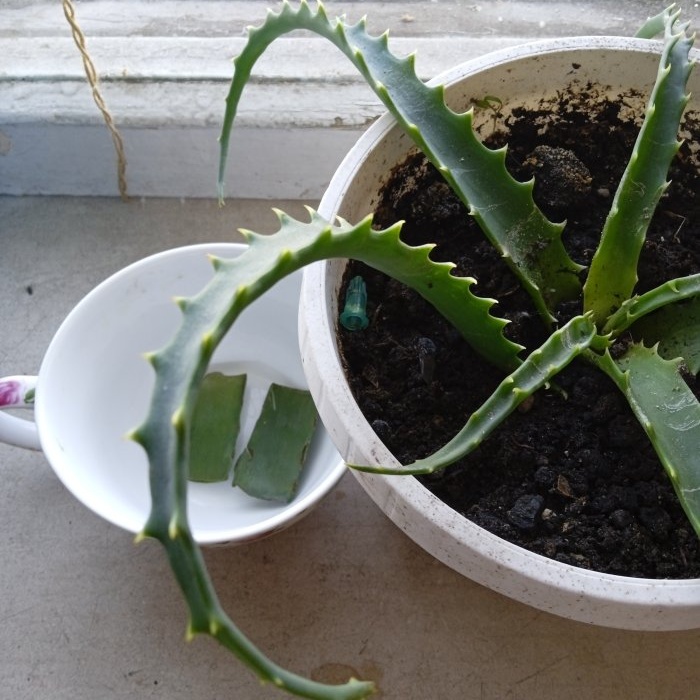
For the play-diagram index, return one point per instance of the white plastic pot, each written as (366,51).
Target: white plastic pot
(518,76)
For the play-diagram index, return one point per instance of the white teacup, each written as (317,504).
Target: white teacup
(94,386)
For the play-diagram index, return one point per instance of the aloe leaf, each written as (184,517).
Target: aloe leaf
(449,294)
(270,466)
(676,330)
(215,425)
(636,308)
(613,272)
(536,370)
(669,413)
(297,244)
(668,315)
(654,25)
(181,365)
(503,207)
(207,617)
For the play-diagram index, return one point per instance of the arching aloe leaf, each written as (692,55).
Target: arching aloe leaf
(636,308)
(503,207)
(536,370)
(670,415)
(527,240)
(654,25)
(181,365)
(669,316)
(613,272)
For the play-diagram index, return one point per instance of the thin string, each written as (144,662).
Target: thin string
(91,73)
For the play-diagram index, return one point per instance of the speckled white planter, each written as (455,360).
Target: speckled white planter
(519,75)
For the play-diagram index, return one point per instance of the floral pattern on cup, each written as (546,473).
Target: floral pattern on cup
(15,392)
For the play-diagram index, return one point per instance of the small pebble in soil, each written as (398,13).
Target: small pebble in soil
(563,487)
(544,476)
(525,511)
(381,428)
(551,521)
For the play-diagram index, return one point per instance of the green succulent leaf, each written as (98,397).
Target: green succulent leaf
(669,413)
(613,271)
(650,378)
(536,370)
(503,207)
(655,25)
(215,425)
(270,466)
(668,315)
(676,330)
(636,308)
(208,617)
(181,365)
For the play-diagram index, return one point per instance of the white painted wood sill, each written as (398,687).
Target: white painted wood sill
(164,69)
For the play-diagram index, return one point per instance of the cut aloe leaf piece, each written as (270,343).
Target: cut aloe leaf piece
(272,462)
(216,423)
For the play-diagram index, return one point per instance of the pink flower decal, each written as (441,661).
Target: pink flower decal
(10,393)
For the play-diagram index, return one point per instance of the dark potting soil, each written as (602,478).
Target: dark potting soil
(572,476)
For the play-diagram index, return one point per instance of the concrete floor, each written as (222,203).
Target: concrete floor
(88,615)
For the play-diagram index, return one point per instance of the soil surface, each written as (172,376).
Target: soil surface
(573,476)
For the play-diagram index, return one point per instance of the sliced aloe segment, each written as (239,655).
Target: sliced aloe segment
(216,423)
(271,464)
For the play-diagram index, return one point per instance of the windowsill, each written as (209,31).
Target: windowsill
(164,71)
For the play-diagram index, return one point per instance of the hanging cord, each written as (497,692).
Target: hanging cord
(91,73)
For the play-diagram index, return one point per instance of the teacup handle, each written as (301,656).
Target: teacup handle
(18,392)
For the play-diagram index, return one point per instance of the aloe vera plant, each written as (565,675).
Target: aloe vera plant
(648,372)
